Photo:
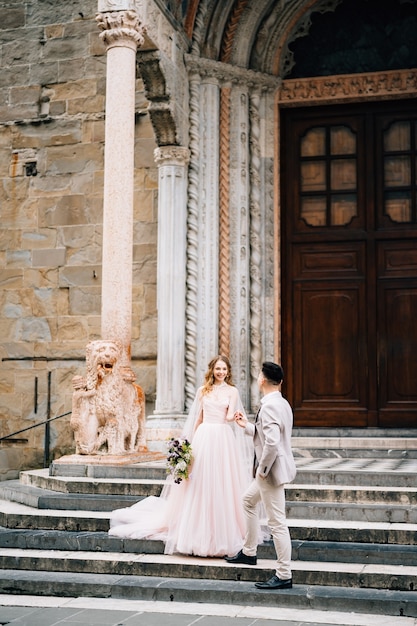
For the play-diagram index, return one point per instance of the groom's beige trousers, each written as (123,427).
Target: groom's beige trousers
(273,499)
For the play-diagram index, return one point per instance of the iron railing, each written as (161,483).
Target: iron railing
(47,437)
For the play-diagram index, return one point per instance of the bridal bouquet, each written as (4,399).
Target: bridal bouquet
(179,458)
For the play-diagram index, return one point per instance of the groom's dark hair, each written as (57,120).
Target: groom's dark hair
(273,372)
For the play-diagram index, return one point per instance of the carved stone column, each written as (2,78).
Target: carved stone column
(208,244)
(121,33)
(172,164)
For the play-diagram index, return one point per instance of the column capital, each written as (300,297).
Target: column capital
(171,155)
(121,28)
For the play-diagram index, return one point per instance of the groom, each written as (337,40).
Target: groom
(274,466)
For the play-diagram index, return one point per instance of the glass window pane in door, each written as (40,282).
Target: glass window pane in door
(313,210)
(397,171)
(314,142)
(397,137)
(343,174)
(342,140)
(398,206)
(313,176)
(343,208)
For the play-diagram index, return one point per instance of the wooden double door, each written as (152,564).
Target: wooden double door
(349,264)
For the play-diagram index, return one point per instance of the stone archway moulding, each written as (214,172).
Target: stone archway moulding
(337,89)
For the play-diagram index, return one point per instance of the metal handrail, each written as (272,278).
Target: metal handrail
(35,425)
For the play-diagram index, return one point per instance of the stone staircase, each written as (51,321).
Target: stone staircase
(352,515)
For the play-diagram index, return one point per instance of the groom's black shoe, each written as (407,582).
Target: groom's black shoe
(275,583)
(240,557)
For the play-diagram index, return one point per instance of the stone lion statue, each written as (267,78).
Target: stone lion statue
(108,408)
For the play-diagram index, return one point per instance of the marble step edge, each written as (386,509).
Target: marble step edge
(393,577)
(353,600)
(302,550)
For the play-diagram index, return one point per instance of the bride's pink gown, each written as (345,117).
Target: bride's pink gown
(202,515)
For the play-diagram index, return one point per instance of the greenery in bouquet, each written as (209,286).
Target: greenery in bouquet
(179,458)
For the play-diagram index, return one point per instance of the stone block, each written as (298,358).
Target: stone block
(77,89)
(7,381)
(80,276)
(10,239)
(62,49)
(54,31)
(144,152)
(94,104)
(77,236)
(40,278)
(53,257)
(85,300)
(44,73)
(93,131)
(32,329)
(70,327)
(57,108)
(86,256)
(145,233)
(12,18)
(19,113)
(55,133)
(11,279)
(81,158)
(12,76)
(25,95)
(42,238)
(20,52)
(18,258)
(145,205)
(97,47)
(63,210)
(71,70)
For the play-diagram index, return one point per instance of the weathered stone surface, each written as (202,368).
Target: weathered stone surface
(42,238)
(85,301)
(54,133)
(80,158)
(32,329)
(54,257)
(44,73)
(80,276)
(12,18)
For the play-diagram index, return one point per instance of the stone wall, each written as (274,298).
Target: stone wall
(52,98)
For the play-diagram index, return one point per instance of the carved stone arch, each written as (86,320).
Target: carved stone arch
(161,109)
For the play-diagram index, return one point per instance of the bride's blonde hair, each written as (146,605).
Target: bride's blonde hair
(209,376)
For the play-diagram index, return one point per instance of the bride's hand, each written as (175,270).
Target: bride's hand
(240,419)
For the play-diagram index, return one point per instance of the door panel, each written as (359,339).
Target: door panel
(349,259)
(397,308)
(330,316)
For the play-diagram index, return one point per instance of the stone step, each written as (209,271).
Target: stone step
(167,589)
(306,507)
(363,504)
(375,472)
(144,487)
(15,515)
(363,443)
(384,554)
(374,576)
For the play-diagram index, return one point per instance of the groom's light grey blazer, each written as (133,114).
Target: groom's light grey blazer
(272,439)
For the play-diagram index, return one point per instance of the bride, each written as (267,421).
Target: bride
(202,515)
